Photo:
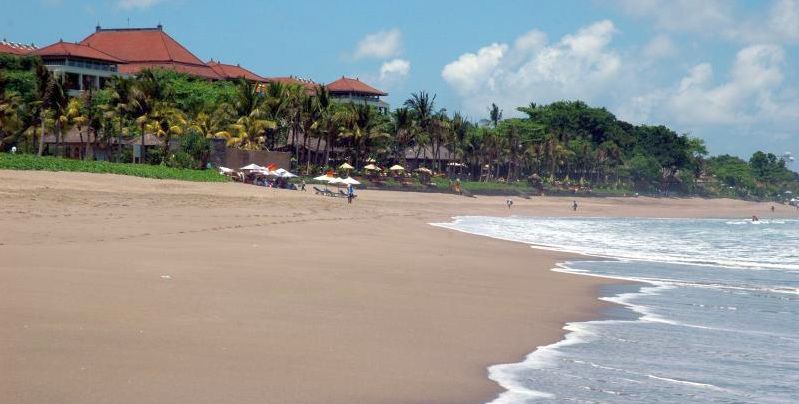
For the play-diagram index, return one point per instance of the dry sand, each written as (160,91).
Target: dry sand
(124,290)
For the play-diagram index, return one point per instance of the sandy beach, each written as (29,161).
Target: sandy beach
(126,290)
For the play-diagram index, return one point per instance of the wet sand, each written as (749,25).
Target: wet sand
(128,290)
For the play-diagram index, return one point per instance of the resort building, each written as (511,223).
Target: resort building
(310,85)
(233,72)
(80,66)
(143,48)
(15,48)
(347,90)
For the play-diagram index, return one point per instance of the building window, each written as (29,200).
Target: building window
(71,81)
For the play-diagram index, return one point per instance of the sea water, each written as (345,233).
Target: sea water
(716,320)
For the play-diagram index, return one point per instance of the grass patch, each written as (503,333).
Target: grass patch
(46,163)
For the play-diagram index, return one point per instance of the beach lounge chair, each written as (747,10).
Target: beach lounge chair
(320,191)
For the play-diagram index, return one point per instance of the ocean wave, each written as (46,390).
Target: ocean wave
(651,240)
(687,383)
(666,258)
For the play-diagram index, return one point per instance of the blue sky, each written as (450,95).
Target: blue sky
(725,71)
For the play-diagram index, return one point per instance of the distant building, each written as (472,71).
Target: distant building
(81,67)
(310,85)
(347,90)
(233,72)
(147,48)
(127,51)
(15,48)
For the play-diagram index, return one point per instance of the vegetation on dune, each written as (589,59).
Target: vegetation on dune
(562,146)
(49,163)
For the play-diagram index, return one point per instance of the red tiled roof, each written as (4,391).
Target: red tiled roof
(200,71)
(15,48)
(62,48)
(147,47)
(234,72)
(348,85)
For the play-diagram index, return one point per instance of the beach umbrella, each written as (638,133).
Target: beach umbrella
(397,167)
(424,170)
(371,167)
(337,180)
(346,166)
(252,166)
(350,181)
(323,177)
(283,173)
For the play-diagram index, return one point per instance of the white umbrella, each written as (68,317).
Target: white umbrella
(337,180)
(350,180)
(397,167)
(252,166)
(225,170)
(346,166)
(371,167)
(283,173)
(324,178)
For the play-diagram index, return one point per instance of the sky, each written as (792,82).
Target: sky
(723,70)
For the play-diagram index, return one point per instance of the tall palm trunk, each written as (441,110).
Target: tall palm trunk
(59,139)
(83,146)
(41,138)
(142,155)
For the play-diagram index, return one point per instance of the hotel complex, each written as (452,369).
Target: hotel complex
(127,51)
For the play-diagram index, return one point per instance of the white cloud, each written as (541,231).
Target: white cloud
(473,70)
(682,15)
(778,23)
(131,4)
(579,65)
(394,69)
(754,80)
(660,47)
(380,45)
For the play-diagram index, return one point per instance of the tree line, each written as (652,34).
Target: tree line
(565,143)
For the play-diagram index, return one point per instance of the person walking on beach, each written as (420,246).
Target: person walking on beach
(350,193)
(574,206)
(772,208)
(302,185)
(509,202)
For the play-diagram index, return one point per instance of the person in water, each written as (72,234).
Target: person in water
(755,219)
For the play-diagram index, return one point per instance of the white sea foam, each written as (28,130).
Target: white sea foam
(605,238)
(686,382)
(771,247)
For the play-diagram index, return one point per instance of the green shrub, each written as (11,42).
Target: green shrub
(32,162)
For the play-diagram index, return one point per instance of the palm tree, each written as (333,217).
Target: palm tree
(166,121)
(495,114)
(364,126)
(121,106)
(145,94)
(214,124)
(10,118)
(50,91)
(404,128)
(249,131)
(75,117)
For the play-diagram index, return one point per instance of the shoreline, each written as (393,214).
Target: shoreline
(274,293)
